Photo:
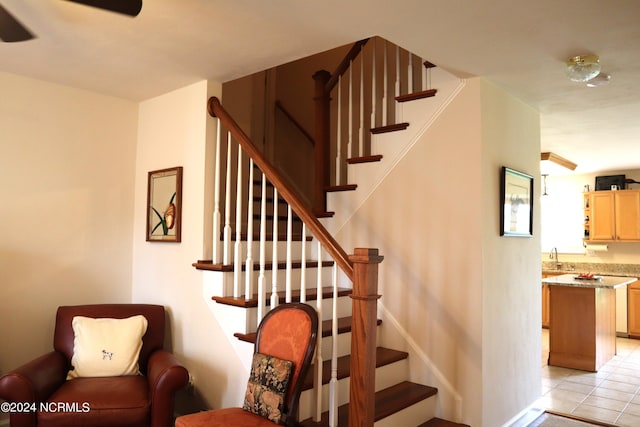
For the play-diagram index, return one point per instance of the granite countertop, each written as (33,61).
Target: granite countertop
(600,269)
(601,281)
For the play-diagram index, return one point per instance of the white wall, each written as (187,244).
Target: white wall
(67,168)
(511,343)
(462,293)
(175,130)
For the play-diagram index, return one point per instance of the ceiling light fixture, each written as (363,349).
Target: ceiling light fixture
(583,68)
(552,164)
(599,80)
(544,184)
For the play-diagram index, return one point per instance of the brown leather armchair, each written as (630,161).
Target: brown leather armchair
(133,400)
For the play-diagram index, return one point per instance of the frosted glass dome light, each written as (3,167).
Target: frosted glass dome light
(583,68)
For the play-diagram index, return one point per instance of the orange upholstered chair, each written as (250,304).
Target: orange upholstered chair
(288,334)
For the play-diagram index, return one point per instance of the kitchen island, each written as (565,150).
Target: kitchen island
(582,320)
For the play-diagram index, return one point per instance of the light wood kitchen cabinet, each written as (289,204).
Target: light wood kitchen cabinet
(633,310)
(627,207)
(545,306)
(612,215)
(545,300)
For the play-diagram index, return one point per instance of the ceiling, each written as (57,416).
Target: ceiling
(519,45)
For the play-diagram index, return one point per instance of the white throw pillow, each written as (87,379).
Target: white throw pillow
(106,347)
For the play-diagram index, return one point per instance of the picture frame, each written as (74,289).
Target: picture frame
(516,203)
(164,205)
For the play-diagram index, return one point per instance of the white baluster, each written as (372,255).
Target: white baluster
(373,88)
(317,378)
(288,283)
(226,240)
(425,82)
(410,74)
(274,265)
(303,267)
(385,83)
(237,261)
(248,271)
(398,105)
(333,383)
(361,130)
(263,255)
(339,134)
(350,142)
(215,248)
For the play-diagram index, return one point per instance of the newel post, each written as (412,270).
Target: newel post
(363,336)
(321,152)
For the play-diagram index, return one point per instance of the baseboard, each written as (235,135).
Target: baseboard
(525,417)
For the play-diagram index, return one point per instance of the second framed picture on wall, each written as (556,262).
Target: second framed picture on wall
(516,203)
(164,205)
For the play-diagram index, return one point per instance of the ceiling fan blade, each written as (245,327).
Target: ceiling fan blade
(11,30)
(127,7)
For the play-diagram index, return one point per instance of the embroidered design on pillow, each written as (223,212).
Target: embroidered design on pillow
(267,387)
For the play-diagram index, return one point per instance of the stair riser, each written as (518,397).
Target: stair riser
(281,247)
(281,279)
(411,416)
(344,310)
(344,345)
(386,376)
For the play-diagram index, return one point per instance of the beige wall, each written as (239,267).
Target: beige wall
(67,168)
(460,292)
(511,343)
(175,130)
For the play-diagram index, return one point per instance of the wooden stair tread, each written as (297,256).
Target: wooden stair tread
(312,294)
(326,214)
(439,422)
(296,237)
(417,95)
(345,187)
(384,356)
(210,266)
(390,128)
(364,159)
(281,218)
(387,402)
(344,326)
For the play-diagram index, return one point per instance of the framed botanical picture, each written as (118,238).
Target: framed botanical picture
(164,205)
(516,203)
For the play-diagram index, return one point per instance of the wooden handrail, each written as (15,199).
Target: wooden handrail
(295,123)
(344,65)
(332,247)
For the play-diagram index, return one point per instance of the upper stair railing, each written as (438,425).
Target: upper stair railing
(359,268)
(361,97)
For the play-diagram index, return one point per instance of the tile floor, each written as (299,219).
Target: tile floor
(612,395)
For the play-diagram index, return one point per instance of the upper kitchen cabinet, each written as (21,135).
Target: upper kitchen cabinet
(627,207)
(612,215)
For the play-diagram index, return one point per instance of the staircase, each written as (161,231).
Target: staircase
(283,255)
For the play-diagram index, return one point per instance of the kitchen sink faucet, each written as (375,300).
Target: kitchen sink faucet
(554,256)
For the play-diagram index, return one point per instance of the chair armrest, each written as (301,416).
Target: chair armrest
(166,375)
(36,380)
